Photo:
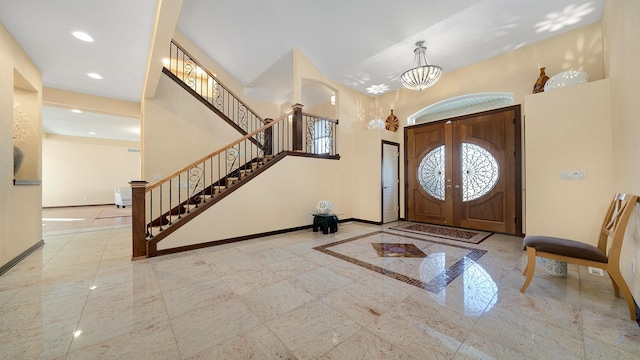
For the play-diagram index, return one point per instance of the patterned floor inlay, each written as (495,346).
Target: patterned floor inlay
(398,250)
(444,232)
(441,264)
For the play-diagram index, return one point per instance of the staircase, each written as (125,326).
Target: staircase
(163,207)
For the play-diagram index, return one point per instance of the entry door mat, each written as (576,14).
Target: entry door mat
(444,232)
(441,264)
(114,213)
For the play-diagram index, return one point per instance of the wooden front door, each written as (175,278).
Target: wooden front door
(465,171)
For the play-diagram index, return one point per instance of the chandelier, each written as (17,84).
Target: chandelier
(421,75)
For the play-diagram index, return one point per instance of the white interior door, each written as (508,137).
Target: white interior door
(390,182)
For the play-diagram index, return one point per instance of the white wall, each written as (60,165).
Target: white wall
(83,171)
(568,129)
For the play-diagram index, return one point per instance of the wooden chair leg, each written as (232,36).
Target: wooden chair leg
(616,277)
(616,289)
(531,267)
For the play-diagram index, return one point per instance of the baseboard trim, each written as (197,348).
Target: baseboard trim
(229,241)
(362,221)
(4,268)
(248,237)
(76,206)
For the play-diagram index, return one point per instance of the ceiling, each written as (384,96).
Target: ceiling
(59,121)
(362,44)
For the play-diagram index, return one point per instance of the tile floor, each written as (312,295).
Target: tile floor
(80,297)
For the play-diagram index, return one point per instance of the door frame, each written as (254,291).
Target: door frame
(517,154)
(397,145)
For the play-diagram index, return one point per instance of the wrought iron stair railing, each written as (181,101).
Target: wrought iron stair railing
(202,83)
(161,208)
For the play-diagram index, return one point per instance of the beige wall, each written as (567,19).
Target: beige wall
(91,103)
(513,72)
(178,130)
(359,147)
(83,171)
(20,208)
(621,26)
(262,108)
(367,172)
(282,197)
(568,130)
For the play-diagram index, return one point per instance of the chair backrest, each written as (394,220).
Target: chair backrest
(615,224)
(123,191)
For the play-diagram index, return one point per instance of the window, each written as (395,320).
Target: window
(479,172)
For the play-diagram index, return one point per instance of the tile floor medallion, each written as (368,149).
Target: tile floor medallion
(427,264)
(398,250)
(444,232)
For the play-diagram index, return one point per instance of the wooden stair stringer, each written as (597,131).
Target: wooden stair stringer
(203,206)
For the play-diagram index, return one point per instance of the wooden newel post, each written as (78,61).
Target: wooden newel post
(267,147)
(297,127)
(138,226)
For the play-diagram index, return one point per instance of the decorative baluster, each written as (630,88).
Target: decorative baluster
(161,216)
(204,182)
(170,204)
(188,196)
(179,196)
(210,186)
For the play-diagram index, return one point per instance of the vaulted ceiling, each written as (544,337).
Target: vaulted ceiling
(363,44)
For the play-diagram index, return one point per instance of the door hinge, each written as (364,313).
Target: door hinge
(515,219)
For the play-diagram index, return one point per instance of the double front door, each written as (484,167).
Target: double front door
(465,172)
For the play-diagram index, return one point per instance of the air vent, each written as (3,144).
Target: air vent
(134,150)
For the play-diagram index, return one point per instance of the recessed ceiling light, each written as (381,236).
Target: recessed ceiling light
(82,36)
(94,76)
(91,133)
(76,111)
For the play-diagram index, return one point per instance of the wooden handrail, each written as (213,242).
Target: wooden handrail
(207,157)
(335,121)
(217,80)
